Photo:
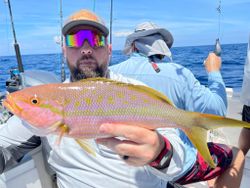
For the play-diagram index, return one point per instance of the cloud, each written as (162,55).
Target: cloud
(122,33)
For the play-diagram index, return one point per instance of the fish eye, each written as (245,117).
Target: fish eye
(34,100)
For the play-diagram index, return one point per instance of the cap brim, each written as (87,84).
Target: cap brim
(72,24)
(167,36)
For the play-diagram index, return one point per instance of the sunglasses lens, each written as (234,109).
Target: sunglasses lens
(94,39)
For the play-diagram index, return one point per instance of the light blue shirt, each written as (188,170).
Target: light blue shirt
(181,87)
(178,84)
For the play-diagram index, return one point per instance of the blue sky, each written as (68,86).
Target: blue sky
(192,22)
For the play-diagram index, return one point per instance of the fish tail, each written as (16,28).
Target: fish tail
(200,125)
(209,121)
(198,136)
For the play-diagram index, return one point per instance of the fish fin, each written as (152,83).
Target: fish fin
(153,93)
(150,91)
(210,121)
(198,137)
(62,130)
(55,126)
(86,146)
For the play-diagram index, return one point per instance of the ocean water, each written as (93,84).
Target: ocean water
(233,60)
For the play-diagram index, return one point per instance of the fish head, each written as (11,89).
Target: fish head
(40,106)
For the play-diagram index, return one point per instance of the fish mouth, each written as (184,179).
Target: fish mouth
(10,104)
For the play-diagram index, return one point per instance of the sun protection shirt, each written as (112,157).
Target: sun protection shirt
(178,84)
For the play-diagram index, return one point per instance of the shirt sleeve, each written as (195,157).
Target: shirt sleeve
(183,157)
(211,99)
(15,141)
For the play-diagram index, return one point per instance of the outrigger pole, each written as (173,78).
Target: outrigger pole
(16,45)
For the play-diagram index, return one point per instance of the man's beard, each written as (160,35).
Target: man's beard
(82,72)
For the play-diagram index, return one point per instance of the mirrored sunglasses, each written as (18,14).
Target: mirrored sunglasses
(94,39)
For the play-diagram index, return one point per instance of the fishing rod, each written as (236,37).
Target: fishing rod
(63,74)
(16,45)
(111,21)
(217,49)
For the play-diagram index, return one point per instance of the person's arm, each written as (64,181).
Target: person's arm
(211,99)
(15,142)
(243,142)
(232,176)
(228,172)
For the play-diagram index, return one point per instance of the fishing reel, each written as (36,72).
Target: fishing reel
(4,113)
(20,80)
(14,83)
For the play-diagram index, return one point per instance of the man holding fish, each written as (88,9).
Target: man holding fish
(121,114)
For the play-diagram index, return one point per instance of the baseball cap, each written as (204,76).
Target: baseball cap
(85,17)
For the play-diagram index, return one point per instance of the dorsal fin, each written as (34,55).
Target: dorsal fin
(148,90)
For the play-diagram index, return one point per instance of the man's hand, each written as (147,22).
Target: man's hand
(140,145)
(212,63)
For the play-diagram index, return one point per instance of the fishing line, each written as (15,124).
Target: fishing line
(219,18)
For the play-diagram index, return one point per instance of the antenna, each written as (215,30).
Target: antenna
(16,45)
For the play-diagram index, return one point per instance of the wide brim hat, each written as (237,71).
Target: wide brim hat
(146,29)
(84,17)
